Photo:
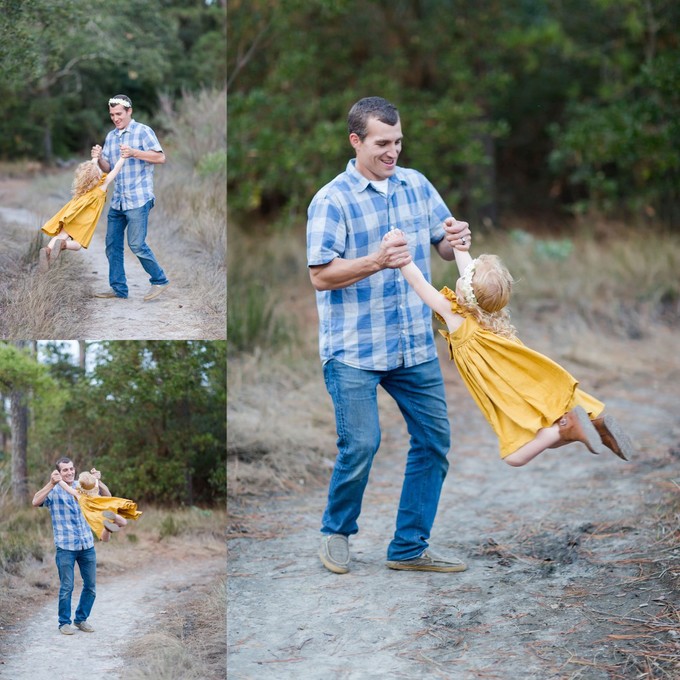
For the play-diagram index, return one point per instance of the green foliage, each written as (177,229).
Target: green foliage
(564,102)
(62,61)
(149,414)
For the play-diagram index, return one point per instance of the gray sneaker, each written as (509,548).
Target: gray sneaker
(67,629)
(428,561)
(155,291)
(85,627)
(334,553)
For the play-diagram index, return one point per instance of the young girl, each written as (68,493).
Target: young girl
(104,514)
(531,402)
(73,226)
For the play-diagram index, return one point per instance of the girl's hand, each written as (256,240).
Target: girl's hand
(95,473)
(394,249)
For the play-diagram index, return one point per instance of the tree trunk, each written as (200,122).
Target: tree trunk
(82,354)
(19,424)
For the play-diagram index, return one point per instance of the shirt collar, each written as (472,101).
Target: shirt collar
(361,183)
(120,133)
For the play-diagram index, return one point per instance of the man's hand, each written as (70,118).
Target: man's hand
(96,151)
(394,252)
(95,473)
(55,477)
(458,234)
(126,151)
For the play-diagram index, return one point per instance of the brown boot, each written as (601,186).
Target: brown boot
(613,437)
(575,426)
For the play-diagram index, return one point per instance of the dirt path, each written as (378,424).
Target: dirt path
(570,575)
(174,315)
(126,608)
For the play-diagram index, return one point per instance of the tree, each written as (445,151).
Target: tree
(19,375)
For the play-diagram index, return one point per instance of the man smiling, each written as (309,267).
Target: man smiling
(374,331)
(74,544)
(132,198)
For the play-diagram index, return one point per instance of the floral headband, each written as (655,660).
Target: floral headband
(124,102)
(466,284)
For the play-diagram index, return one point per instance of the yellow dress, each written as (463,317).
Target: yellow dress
(518,390)
(79,216)
(93,506)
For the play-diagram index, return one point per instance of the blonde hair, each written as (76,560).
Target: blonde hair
(87,484)
(492,287)
(87,177)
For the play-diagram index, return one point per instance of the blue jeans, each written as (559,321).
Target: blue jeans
(87,563)
(419,393)
(136,222)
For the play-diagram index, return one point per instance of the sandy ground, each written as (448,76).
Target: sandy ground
(569,575)
(127,607)
(174,315)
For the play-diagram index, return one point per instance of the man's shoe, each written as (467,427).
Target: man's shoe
(334,553)
(428,561)
(110,293)
(67,629)
(85,627)
(155,291)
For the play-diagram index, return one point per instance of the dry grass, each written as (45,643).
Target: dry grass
(192,198)
(605,291)
(26,549)
(34,305)
(190,644)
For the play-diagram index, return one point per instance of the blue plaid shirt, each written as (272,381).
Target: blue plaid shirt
(71,530)
(378,323)
(133,187)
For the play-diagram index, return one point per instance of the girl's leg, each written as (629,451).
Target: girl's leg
(574,426)
(106,535)
(120,521)
(544,439)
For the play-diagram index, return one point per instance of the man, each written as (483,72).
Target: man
(374,330)
(132,198)
(74,544)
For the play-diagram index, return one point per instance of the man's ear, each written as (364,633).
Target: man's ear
(354,140)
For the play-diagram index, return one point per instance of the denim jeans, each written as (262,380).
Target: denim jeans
(419,393)
(87,563)
(136,222)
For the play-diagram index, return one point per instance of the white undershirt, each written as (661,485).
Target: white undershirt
(380,186)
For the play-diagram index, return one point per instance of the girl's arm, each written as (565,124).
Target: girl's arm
(463,259)
(114,171)
(66,487)
(435,300)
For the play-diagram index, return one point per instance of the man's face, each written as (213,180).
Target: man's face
(377,154)
(120,116)
(67,472)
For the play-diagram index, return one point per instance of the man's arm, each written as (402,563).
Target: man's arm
(340,273)
(155,157)
(41,495)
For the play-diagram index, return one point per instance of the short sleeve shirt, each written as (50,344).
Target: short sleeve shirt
(378,323)
(133,187)
(71,530)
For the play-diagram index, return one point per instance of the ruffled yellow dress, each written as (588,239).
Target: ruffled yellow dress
(79,216)
(93,506)
(518,390)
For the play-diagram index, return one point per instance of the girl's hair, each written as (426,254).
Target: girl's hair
(492,286)
(87,484)
(87,177)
